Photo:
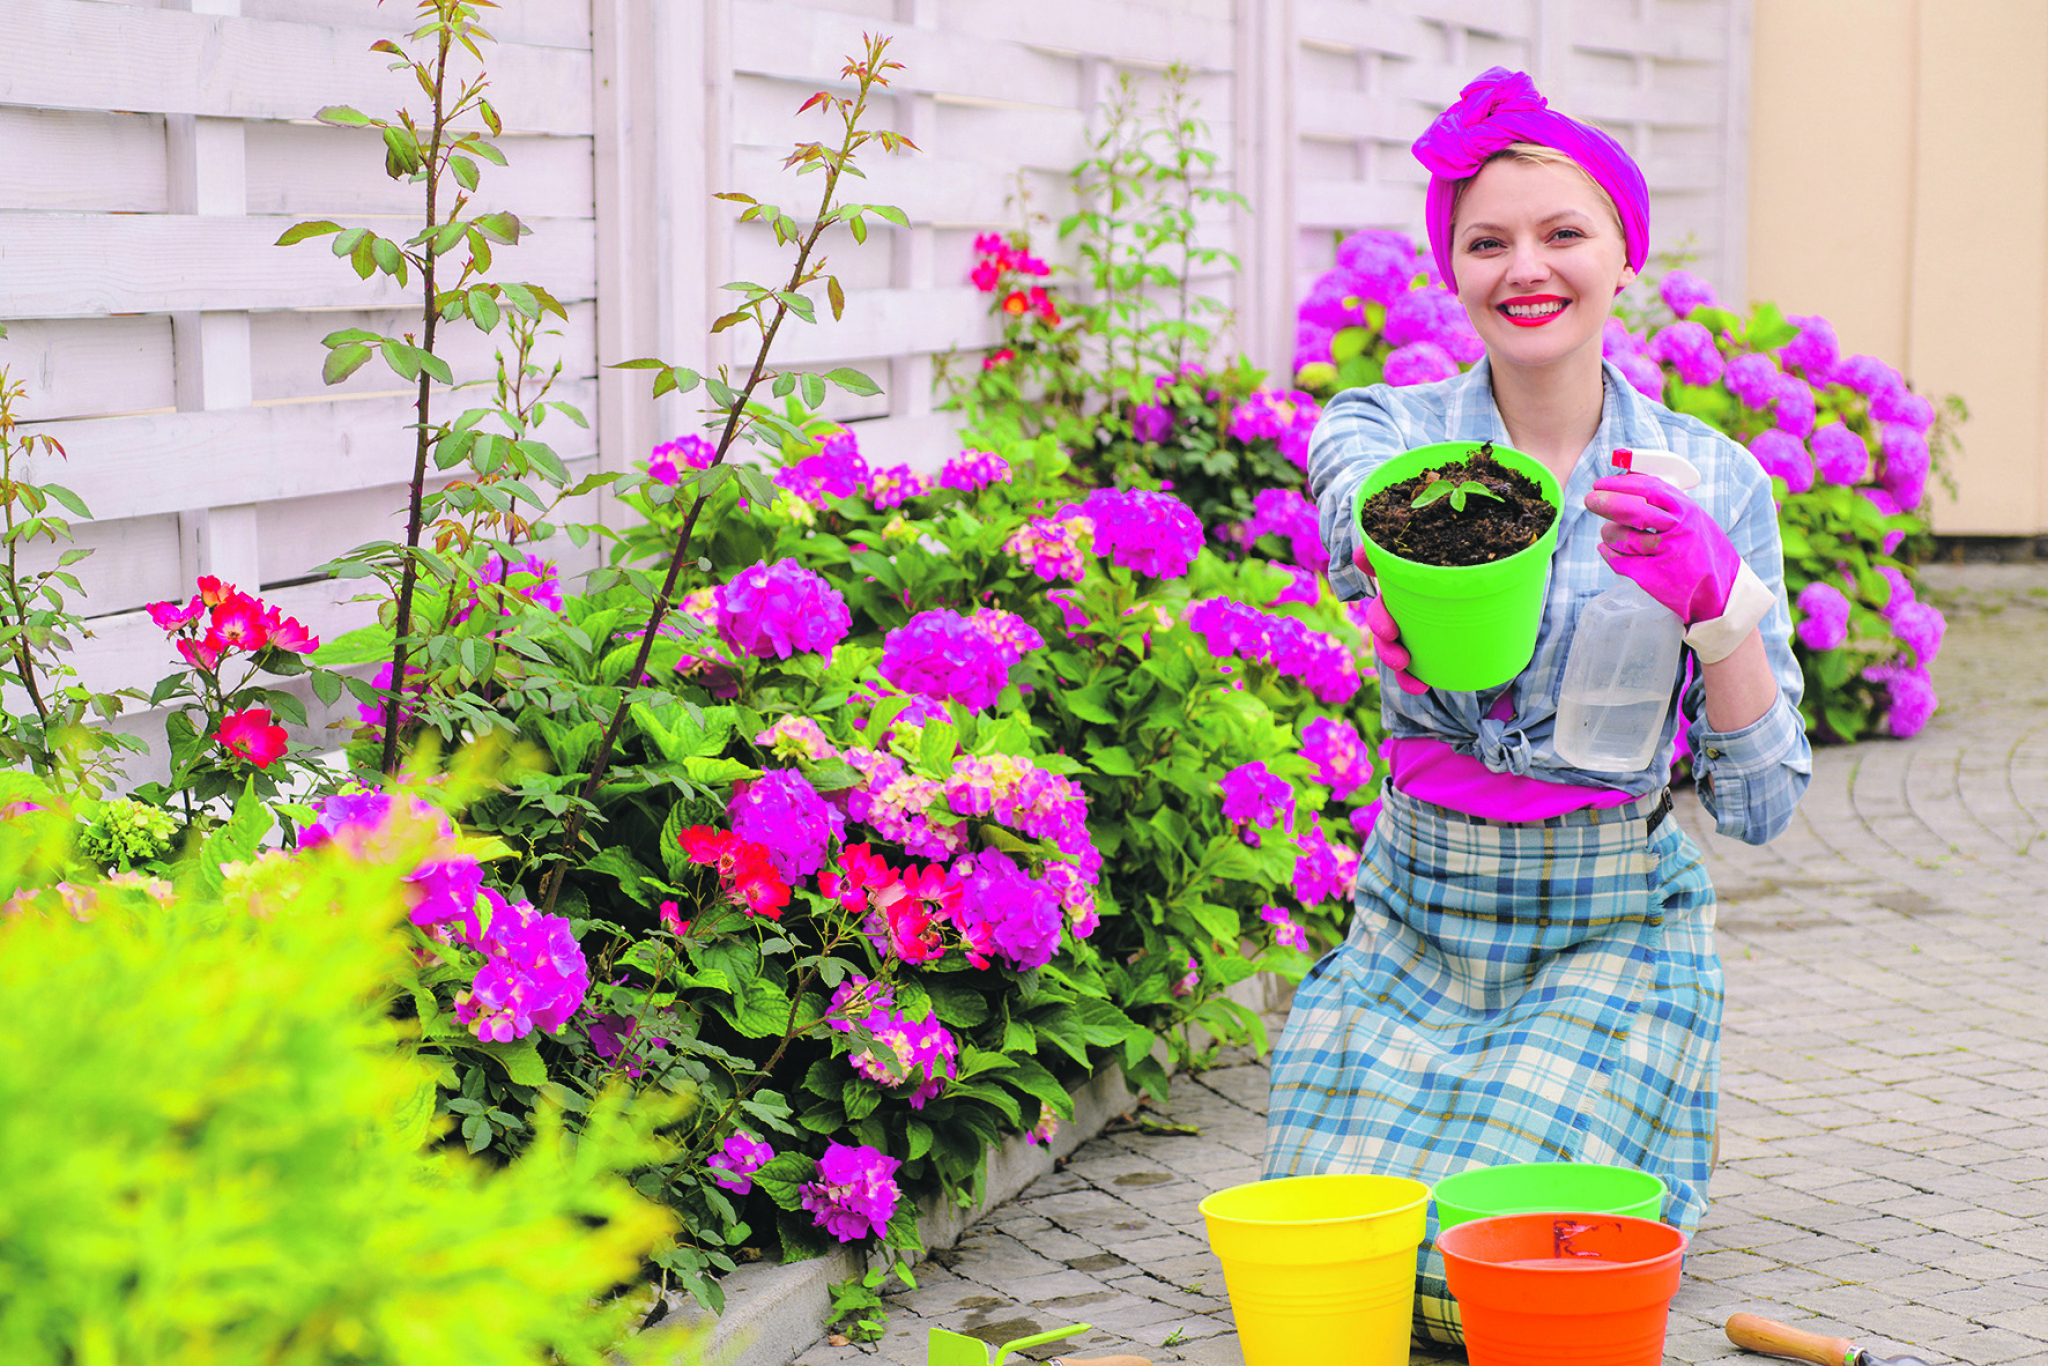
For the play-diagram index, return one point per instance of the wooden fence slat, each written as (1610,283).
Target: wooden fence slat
(286,353)
(82,161)
(75,54)
(58,265)
(797,43)
(314,171)
(137,466)
(90,367)
(889,322)
(1352,24)
(542,23)
(1125,31)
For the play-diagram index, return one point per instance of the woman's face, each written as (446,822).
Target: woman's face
(1538,258)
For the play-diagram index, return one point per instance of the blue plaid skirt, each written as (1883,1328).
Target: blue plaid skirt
(1509,993)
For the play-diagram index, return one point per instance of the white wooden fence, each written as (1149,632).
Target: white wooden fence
(155,153)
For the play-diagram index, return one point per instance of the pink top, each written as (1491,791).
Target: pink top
(1430,770)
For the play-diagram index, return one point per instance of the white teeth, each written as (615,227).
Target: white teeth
(1533,310)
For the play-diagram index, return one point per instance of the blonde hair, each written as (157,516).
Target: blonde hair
(1535,154)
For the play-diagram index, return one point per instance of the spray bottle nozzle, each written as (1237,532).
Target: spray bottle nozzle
(1624,459)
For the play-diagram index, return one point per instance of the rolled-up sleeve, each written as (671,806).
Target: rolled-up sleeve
(1751,779)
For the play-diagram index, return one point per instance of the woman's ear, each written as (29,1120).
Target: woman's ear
(1628,277)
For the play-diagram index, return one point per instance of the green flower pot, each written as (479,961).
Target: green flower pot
(1469,627)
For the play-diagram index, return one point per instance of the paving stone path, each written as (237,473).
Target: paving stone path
(1884,1155)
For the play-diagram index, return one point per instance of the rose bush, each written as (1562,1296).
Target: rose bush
(1848,444)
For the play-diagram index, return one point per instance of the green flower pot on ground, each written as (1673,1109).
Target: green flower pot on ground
(1467,627)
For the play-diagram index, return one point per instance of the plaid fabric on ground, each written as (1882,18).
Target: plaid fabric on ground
(1509,993)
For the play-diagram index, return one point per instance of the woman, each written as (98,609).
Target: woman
(1530,974)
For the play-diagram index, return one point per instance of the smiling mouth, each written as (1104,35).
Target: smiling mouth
(1532,312)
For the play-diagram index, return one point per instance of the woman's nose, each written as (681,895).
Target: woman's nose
(1526,265)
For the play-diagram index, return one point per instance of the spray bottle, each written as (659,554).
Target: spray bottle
(1623,660)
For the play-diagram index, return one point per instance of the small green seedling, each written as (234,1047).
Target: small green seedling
(1456,492)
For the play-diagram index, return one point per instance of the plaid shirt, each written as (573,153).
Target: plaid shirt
(1750,779)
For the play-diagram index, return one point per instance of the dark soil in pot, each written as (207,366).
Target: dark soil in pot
(1441,532)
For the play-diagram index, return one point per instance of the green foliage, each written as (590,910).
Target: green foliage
(214,1144)
(63,735)
(126,836)
(1457,491)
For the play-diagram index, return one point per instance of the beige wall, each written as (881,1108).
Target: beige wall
(1899,187)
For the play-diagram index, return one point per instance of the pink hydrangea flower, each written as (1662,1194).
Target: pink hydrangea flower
(1910,697)
(1286,514)
(1312,344)
(951,658)
(781,609)
(1319,660)
(1329,306)
(1903,406)
(1005,913)
(1824,617)
(783,813)
(1286,933)
(736,1162)
(1255,798)
(837,471)
(1434,317)
(666,462)
(1919,627)
(891,487)
(1422,362)
(1889,507)
(534,975)
(1839,455)
(1015,791)
(1814,352)
(1683,292)
(1783,456)
(797,737)
(1380,264)
(855,1194)
(1753,379)
(1906,464)
(1617,341)
(972,470)
(1337,756)
(1151,423)
(1267,415)
(1054,548)
(1867,375)
(1644,375)
(1793,405)
(1322,872)
(1688,348)
(1149,533)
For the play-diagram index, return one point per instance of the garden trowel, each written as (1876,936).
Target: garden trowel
(957,1349)
(1754,1334)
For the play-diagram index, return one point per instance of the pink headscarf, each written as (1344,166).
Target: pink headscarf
(1503,107)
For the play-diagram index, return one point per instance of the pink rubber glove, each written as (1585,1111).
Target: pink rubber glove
(1386,636)
(1667,543)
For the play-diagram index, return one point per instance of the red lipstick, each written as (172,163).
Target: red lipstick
(1533,300)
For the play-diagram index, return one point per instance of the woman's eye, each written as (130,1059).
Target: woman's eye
(1483,244)
(1566,234)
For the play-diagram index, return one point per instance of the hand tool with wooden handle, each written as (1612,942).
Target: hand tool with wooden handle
(943,1348)
(1754,1334)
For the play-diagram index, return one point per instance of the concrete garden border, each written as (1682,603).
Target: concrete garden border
(775,1313)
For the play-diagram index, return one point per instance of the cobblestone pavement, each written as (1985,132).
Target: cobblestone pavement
(1884,1154)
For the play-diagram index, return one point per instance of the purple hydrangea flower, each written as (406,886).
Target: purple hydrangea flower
(781,609)
(1911,700)
(1326,308)
(1824,617)
(1688,348)
(1304,586)
(1254,796)
(1267,414)
(1150,533)
(797,736)
(782,811)
(1793,404)
(1919,627)
(1683,291)
(1422,362)
(1814,352)
(1321,873)
(1054,548)
(952,658)
(1381,264)
(1783,456)
(1867,375)
(837,471)
(1642,373)
(1151,423)
(1901,586)
(855,1194)
(1905,464)
(891,487)
(1337,756)
(666,462)
(1903,406)
(1839,455)
(1616,340)
(1005,913)
(972,471)
(1889,507)
(1319,660)
(534,975)
(1753,379)
(1286,933)
(1435,316)
(442,890)
(1285,513)
(1363,818)
(1312,344)
(737,1161)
